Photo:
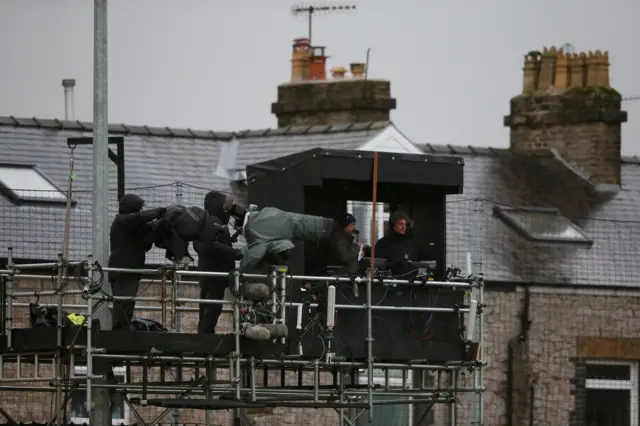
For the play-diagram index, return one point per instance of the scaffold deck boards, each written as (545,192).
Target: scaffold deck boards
(136,342)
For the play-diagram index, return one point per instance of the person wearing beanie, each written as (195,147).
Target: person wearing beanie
(344,252)
(129,242)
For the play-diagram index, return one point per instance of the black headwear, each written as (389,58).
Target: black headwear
(218,204)
(130,203)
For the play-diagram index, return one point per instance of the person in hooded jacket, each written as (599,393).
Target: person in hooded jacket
(396,246)
(130,241)
(344,252)
(179,226)
(215,254)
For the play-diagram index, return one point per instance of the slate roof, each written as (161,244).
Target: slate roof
(157,157)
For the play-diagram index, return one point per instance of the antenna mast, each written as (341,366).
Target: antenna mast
(310,10)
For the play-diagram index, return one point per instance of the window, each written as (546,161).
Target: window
(26,183)
(387,415)
(545,225)
(362,210)
(120,412)
(612,393)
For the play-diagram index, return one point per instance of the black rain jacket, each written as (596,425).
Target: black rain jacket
(214,247)
(130,235)
(394,247)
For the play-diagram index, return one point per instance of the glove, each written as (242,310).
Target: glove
(161,211)
(238,254)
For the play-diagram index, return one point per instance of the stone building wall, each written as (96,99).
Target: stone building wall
(568,326)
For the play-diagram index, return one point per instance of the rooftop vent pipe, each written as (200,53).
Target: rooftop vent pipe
(69,108)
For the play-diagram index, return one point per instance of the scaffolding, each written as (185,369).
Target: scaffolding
(353,390)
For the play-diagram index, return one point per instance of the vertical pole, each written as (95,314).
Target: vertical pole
(8,318)
(452,405)
(477,237)
(374,200)
(176,327)
(58,381)
(341,410)
(236,331)
(100,409)
(176,411)
(252,378)
(310,20)
(89,318)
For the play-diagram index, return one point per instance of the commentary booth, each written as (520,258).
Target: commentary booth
(319,182)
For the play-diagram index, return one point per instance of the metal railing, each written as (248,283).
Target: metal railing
(353,399)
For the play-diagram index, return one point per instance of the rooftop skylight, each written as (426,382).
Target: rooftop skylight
(544,225)
(27,184)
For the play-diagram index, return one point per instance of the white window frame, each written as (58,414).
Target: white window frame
(81,370)
(50,194)
(394,383)
(607,384)
(364,223)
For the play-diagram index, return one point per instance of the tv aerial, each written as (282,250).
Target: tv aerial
(568,48)
(310,10)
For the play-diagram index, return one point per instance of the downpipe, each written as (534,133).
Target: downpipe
(525,323)
(512,343)
(532,394)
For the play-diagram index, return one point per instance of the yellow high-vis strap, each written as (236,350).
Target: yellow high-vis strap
(76,319)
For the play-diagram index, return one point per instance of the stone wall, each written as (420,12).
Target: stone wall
(584,127)
(341,101)
(567,327)
(560,320)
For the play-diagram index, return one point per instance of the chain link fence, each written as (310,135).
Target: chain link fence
(560,330)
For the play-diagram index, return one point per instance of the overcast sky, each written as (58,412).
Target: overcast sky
(215,64)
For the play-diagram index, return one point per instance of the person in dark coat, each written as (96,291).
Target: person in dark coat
(215,254)
(396,246)
(344,252)
(130,241)
(179,226)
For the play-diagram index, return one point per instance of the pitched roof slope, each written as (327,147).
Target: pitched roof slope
(502,178)
(155,158)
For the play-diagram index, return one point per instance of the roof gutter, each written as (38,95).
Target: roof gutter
(507,285)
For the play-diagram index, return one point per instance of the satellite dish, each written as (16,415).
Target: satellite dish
(568,48)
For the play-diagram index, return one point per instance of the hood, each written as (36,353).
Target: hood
(130,203)
(217,204)
(396,216)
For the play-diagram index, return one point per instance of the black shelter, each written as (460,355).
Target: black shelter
(320,182)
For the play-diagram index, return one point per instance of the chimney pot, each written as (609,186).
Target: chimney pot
(357,69)
(300,59)
(318,64)
(338,72)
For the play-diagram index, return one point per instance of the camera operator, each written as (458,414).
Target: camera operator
(344,252)
(215,254)
(129,238)
(396,246)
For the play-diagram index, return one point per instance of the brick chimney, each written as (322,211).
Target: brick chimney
(567,104)
(311,99)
